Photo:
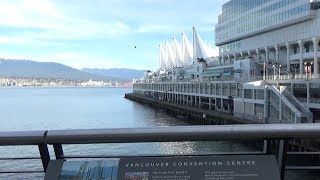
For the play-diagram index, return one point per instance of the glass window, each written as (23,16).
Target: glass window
(307,46)
(259,94)
(248,93)
(295,49)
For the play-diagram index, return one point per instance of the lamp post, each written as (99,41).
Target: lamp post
(307,67)
(311,64)
(276,68)
(264,70)
(274,72)
(295,69)
(280,70)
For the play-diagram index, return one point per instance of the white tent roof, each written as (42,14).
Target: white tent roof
(162,58)
(169,56)
(201,50)
(177,57)
(187,55)
(177,53)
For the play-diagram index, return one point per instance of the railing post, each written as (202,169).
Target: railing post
(44,154)
(282,157)
(58,151)
(267,148)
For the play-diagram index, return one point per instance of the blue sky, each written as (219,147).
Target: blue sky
(101,33)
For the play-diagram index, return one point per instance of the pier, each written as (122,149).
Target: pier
(193,114)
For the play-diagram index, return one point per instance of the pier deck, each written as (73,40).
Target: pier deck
(194,114)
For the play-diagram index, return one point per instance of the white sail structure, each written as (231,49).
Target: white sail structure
(201,50)
(177,56)
(187,55)
(162,58)
(169,56)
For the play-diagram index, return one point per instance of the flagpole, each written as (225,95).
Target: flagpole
(174,52)
(193,44)
(160,56)
(183,55)
(166,55)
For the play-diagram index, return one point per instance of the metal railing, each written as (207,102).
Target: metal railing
(251,78)
(245,79)
(312,100)
(218,64)
(24,138)
(275,138)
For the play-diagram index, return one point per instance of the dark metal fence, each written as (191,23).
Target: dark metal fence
(274,136)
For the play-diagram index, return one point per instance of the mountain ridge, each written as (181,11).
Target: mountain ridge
(34,69)
(120,73)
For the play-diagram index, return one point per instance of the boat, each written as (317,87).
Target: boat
(116,85)
(267,70)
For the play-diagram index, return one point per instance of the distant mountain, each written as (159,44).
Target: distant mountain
(33,69)
(121,74)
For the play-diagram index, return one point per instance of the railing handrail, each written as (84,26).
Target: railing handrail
(186,133)
(22,138)
(286,100)
(163,134)
(302,106)
(268,78)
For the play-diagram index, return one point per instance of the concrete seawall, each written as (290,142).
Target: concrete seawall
(191,114)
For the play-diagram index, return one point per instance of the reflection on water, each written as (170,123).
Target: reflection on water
(156,148)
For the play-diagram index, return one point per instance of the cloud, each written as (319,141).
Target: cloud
(23,13)
(83,29)
(157,28)
(13,40)
(83,26)
(214,50)
(52,24)
(34,42)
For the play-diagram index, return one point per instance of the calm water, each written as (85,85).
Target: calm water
(87,108)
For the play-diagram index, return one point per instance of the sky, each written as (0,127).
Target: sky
(101,33)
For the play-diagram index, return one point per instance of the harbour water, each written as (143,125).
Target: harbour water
(87,108)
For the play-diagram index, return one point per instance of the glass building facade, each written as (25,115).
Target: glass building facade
(243,17)
(234,8)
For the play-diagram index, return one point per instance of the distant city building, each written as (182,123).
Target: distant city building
(55,82)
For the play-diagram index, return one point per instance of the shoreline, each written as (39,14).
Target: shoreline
(20,87)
